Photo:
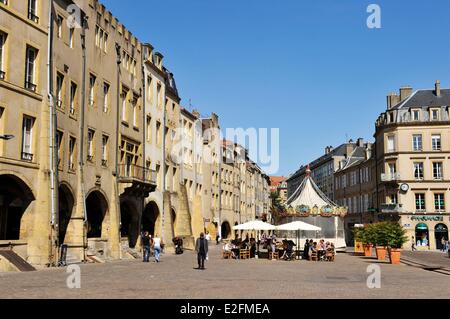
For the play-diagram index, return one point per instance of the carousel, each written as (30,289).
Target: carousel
(310,205)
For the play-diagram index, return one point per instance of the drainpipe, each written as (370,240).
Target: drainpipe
(144,137)
(163,164)
(53,155)
(82,132)
(116,173)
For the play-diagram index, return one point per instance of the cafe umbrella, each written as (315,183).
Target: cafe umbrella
(298,226)
(255,225)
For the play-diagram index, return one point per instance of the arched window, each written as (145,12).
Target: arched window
(422,235)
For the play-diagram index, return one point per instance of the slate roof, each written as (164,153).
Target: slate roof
(425,98)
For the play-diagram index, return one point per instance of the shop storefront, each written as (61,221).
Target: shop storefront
(426,232)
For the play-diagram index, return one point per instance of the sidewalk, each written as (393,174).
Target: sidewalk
(429,260)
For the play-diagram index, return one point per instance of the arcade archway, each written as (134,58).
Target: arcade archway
(15,197)
(225,230)
(96,209)
(440,232)
(129,218)
(66,203)
(150,218)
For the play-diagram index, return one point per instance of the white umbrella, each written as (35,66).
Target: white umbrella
(298,226)
(255,225)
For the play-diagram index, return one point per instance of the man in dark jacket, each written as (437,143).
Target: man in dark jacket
(201,247)
(146,242)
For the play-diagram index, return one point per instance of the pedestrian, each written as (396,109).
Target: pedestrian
(157,245)
(201,247)
(208,236)
(146,242)
(413,244)
(443,244)
(217,239)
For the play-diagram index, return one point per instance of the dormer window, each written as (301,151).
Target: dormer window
(415,115)
(391,118)
(435,114)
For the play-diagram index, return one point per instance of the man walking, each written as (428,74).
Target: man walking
(146,246)
(157,244)
(201,247)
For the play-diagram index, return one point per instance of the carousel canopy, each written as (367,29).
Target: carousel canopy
(309,194)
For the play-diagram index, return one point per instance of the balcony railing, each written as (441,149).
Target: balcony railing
(391,208)
(390,177)
(2,75)
(131,172)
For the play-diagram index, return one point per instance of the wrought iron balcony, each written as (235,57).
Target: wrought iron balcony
(391,208)
(129,173)
(104,162)
(390,177)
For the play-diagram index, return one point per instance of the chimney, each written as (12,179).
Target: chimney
(405,92)
(368,151)
(360,142)
(392,100)
(437,90)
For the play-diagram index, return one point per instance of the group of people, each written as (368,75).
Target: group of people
(237,244)
(150,244)
(322,249)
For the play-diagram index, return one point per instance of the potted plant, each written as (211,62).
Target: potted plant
(395,237)
(366,235)
(381,243)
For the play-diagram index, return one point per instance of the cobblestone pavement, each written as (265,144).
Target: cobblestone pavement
(175,277)
(431,258)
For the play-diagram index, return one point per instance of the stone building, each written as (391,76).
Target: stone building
(324,167)
(413,163)
(89,140)
(355,188)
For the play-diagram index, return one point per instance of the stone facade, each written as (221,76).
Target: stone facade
(95,159)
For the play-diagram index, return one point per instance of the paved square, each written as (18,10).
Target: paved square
(175,277)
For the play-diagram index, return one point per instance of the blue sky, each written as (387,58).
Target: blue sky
(311,68)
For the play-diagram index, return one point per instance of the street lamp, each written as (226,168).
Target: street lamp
(6,137)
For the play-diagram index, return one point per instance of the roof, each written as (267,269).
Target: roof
(275,181)
(309,194)
(423,98)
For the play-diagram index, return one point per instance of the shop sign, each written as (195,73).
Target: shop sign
(427,218)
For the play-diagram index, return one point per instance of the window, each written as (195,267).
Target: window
(59,143)
(72,37)
(418,171)
(135,113)
(27,138)
(59,89)
(417,142)
(124,105)
(391,143)
(2,53)
(158,133)
(392,169)
(73,98)
(105,140)
(92,80)
(59,24)
(436,142)
(393,198)
(435,115)
(439,202)
(105,97)
(416,115)
(30,65)
(4,1)
(72,146)
(158,95)
(149,129)
(437,170)
(150,88)
(420,202)
(32,11)
(91,145)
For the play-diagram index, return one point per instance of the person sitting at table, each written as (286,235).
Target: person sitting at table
(306,250)
(321,249)
(247,239)
(252,248)
(313,248)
